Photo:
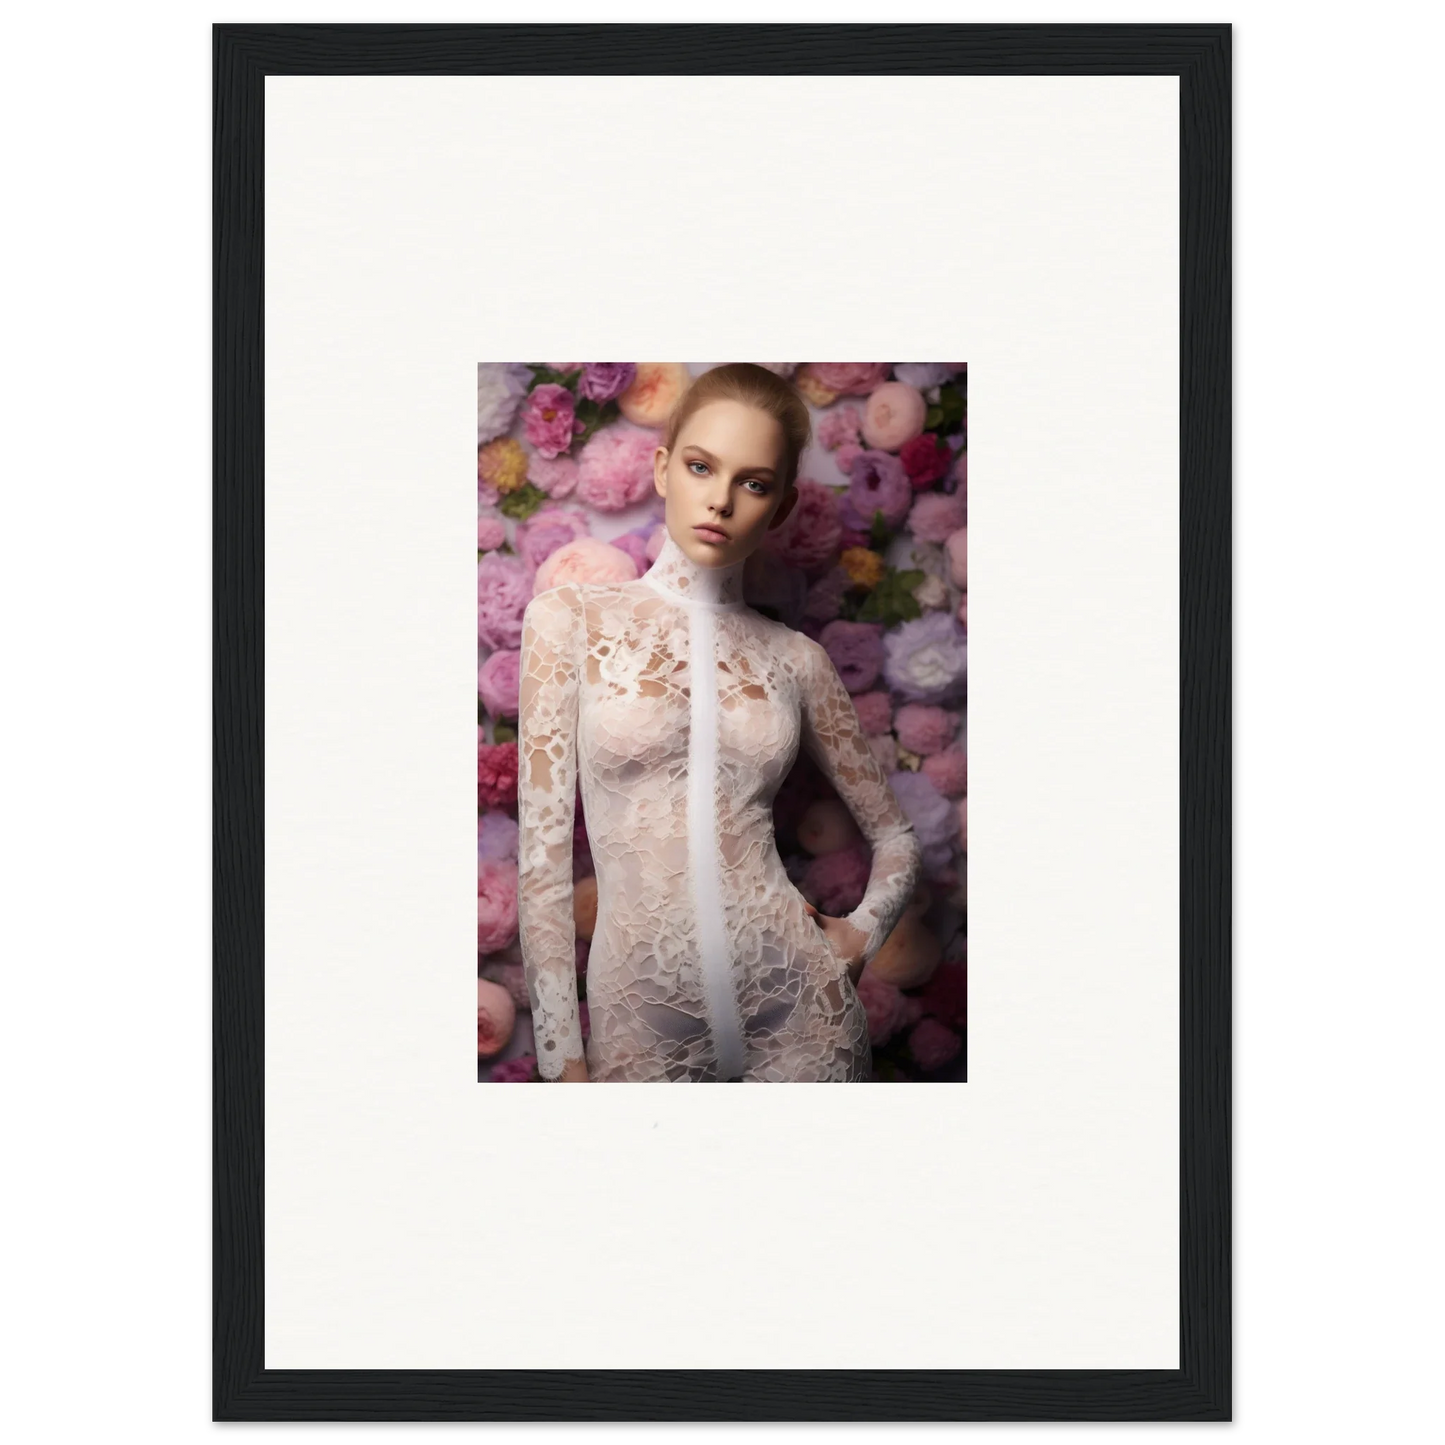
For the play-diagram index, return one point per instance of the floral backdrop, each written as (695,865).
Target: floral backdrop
(872,563)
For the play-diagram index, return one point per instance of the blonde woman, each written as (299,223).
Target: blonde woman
(680,710)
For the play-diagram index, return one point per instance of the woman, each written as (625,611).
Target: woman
(681,710)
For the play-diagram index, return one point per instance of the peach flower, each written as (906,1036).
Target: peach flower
(957,550)
(587,559)
(496,1017)
(893,415)
(654,392)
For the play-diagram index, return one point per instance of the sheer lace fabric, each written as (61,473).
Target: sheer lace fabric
(679,711)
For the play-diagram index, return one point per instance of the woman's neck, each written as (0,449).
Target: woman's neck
(677,575)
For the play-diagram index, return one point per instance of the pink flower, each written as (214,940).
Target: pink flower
(848,378)
(925,458)
(496,905)
(957,549)
(504,587)
(936,516)
(515,1071)
(878,484)
(893,415)
(615,468)
(884,1005)
(496,836)
(948,771)
(551,526)
(932,1044)
(836,881)
(838,425)
(549,419)
(586,560)
(923,728)
(496,1018)
(808,539)
(499,681)
(491,533)
(856,651)
(602,380)
(875,711)
(496,776)
(557,476)
(847,453)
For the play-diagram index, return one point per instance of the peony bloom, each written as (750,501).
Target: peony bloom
(551,526)
(557,476)
(956,548)
(499,682)
(615,468)
(893,415)
(847,378)
(602,380)
(933,1045)
(496,1018)
(550,420)
(855,650)
(586,560)
(808,539)
(931,814)
(925,459)
(878,483)
(948,771)
(521,1070)
(863,566)
(496,837)
(935,516)
(496,905)
(496,776)
(504,587)
(839,425)
(926,659)
(884,1004)
(500,389)
(924,729)
(875,712)
(836,881)
(654,392)
(491,533)
(825,596)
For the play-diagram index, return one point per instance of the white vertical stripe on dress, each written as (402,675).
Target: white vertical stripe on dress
(704,853)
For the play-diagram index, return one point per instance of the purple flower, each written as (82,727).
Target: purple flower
(934,818)
(551,526)
(878,483)
(855,651)
(496,837)
(926,659)
(504,587)
(602,380)
(922,374)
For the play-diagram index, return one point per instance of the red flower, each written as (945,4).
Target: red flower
(497,776)
(925,458)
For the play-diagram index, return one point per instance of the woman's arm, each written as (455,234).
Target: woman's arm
(546,789)
(834,737)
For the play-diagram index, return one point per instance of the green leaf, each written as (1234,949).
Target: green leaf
(520,505)
(878,534)
(503,733)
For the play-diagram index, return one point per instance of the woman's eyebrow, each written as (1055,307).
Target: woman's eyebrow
(693,447)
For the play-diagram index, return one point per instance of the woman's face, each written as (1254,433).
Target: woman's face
(723,482)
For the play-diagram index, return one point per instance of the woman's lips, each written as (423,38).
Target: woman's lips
(711,534)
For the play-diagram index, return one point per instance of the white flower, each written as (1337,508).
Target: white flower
(500,389)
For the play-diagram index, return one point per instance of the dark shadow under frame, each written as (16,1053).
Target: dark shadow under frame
(243,55)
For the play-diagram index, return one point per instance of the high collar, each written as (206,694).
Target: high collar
(682,579)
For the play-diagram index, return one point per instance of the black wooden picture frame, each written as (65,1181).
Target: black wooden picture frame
(1199,55)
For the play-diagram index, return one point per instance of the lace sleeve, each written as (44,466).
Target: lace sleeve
(834,737)
(546,792)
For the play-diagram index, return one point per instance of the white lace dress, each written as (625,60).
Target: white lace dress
(680,711)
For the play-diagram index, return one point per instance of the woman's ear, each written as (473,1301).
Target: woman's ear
(659,471)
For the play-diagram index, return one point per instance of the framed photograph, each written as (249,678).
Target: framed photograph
(731,706)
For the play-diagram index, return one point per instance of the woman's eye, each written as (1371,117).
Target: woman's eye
(703,465)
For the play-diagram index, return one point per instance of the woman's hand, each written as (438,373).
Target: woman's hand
(848,942)
(574,1071)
